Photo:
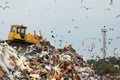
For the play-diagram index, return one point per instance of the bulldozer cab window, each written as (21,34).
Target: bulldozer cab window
(22,32)
(18,30)
(12,29)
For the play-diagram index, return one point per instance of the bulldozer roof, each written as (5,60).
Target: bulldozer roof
(16,25)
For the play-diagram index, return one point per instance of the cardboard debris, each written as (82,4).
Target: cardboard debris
(42,62)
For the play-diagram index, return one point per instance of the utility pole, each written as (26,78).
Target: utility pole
(104,30)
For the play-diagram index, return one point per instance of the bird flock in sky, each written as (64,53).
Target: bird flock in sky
(91,45)
(60,39)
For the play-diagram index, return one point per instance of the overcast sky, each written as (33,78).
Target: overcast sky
(71,21)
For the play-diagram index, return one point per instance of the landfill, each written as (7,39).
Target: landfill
(42,62)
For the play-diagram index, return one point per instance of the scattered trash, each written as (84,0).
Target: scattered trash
(42,62)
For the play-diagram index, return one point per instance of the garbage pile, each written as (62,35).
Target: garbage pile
(42,62)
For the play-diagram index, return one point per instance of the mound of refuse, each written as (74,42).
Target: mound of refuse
(42,62)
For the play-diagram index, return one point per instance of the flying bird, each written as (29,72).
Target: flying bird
(92,56)
(60,41)
(114,53)
(87,8)
(73,20)
(6,2)
(118,37)
(117,16)
(108,9)
(60,45)
(111,2)
(97,56)
(53,36)
(51,31)
(69,31)
(110,39)
(86,17)
(111,29)
(76,27)
(6,7)
(82,1)
(109,42)
(90,50)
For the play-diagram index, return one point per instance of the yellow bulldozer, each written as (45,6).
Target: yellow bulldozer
(18,34)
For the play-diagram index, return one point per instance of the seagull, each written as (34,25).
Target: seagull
(73,20)
(87,8)
(69,31)
(108,9)
(97,56)
(110,39)
(6,2)
(86,17)
(92,56)
(111,29)
(82,1)
(53,36)
(117,16)
(90,50)
(114,53)
(60,41)
(6,7)
(109,42)
(118,37)
(111,2)
(51,31)
(76,27)
(60,45)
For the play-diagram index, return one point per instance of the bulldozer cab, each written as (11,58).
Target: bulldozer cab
(19,29)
